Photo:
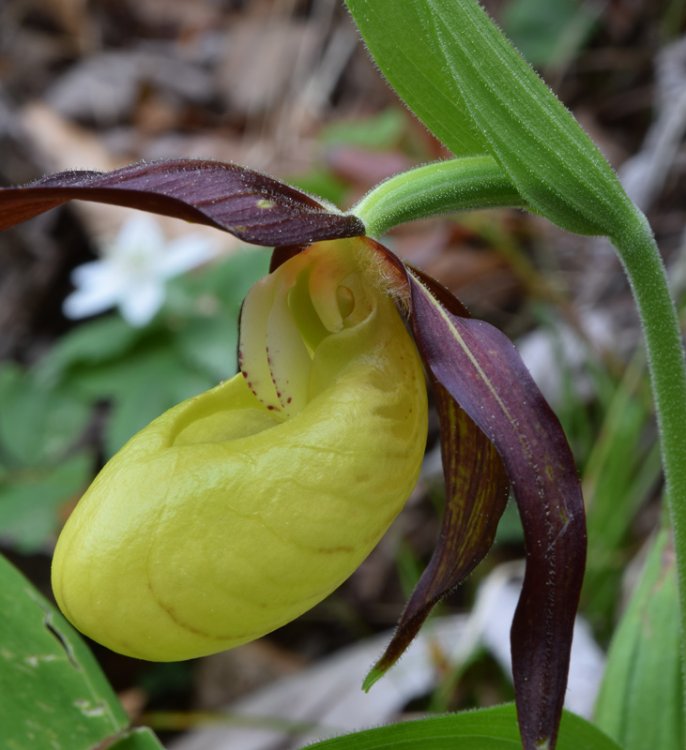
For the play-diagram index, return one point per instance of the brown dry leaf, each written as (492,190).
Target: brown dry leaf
(225,677)
(72,16)
(257,72)
(106,87)
(364,167)
(480,276)
(65,146)
(181,14)
(133,701)
(62,144)
(476,274)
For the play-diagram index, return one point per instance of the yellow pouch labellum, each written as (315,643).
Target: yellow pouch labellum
(241,508)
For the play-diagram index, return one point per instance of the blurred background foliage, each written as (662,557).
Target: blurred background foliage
(284,86)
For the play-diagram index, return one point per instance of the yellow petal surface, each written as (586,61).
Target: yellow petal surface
(229,516)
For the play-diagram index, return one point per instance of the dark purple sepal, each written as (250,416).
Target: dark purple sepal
(282,254)
(253,207)
(483,372)
(476,494)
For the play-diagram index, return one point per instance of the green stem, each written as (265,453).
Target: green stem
(640,256)
(439,188)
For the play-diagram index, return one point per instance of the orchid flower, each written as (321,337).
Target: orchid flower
(241,508)
(133,272)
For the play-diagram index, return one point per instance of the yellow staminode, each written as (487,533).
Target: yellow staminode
(241,508)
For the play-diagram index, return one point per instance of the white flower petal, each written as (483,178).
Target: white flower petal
(90,301)
(132,273)
(142,233)
(141,301)
(185,253)
(89,274)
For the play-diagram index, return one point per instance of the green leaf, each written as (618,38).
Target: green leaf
(380,132)
(90,343)
(323,182)
(142,387)
(209,303)
(222,285)
(30,501)
(37,423)
(209,345)
(642,697)
(622,471)
(485,729)
(53,692)
(468,84)
(399,36)
(549,34)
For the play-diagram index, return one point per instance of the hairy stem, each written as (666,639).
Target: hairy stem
(438,188)
(640,256)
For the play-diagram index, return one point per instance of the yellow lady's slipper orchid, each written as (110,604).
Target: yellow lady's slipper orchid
(239,509)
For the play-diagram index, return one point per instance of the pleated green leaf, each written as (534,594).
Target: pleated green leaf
(461,76)
(486,729)
(641,699)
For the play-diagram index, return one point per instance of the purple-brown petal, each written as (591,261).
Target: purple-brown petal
(476,494)
(283,253)
(482,371)
(253,207)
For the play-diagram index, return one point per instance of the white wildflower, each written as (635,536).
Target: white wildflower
(133,272)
